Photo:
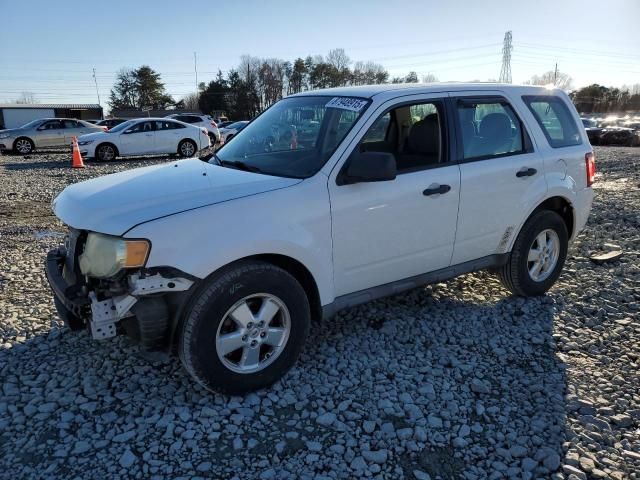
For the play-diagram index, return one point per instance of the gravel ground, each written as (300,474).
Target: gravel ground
(455,380)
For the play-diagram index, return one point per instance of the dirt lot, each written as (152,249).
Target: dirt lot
(455,380)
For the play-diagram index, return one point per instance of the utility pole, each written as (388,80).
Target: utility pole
(505,71)
(555,75)
(95,80)
(195,67)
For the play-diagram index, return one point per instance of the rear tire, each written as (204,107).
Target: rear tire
(231,341)
(23,146)
(538,255)
(187,148)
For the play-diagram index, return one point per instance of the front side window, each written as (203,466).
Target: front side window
(51,125)
(414,134)
(489,128)
(555,119)
(295,137)
(142,127)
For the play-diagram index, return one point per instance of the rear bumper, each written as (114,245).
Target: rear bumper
(582,208)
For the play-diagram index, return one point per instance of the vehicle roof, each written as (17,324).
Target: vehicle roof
(400,89)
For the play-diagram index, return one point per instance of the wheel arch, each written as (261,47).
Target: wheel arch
(115,147)
(21,137)
(289,264)
(556,203)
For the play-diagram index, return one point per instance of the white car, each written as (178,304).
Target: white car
(145,136)
(201,121)
(401,185)
(232,130)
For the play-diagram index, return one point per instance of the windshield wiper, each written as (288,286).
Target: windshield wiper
(238,165)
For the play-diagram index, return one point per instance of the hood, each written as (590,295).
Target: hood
(10,131)
(115,203)
(93,136)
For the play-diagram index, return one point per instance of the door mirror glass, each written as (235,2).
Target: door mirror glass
(365,167)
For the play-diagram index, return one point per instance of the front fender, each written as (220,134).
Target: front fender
(293,222)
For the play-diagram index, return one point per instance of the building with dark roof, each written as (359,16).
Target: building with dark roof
(14,115)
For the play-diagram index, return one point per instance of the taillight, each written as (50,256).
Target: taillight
(590,164)
(213,124)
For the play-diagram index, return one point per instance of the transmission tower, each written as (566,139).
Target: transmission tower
(505,71)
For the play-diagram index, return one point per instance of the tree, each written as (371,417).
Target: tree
(190,101)
(429,78)
(26,98)
(214,97)
(298,76)
(559,79)
(600,99)
(412,77)
(139,88)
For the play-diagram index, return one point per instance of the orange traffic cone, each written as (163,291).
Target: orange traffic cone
(76,159)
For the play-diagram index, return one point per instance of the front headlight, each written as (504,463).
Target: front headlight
(85,142)
(106,255)
(5,135)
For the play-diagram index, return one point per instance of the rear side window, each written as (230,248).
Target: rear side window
(555,119)
(490,128)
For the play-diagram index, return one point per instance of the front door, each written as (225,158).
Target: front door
(387,231)
(138,139)
(50,134)
(502,175)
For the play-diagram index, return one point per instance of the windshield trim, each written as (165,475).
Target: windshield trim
(361,114)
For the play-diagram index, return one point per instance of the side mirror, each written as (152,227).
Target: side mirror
(362,167)
(128,131)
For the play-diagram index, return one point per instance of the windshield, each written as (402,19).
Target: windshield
(33,123)
(122,126)
(234,125)
(295,137)
(587,122)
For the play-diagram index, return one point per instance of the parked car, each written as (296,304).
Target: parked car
(145,136)
(111,122)
(230,260)
(224,124)
(220,120)
(199,120)
(592,129)
(620,136)
(232,130)
(45,132)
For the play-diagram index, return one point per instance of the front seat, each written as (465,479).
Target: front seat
(494,136)
(423,144)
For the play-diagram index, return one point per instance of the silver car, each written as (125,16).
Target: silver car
(45,132)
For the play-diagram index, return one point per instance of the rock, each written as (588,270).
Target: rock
(478,386)
(358,464)
(587,464)
(127,459)
(605,257)
(326,419)
(375,456)
(622,420)
(368,426)
(552,462)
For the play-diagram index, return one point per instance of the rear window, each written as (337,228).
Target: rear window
(555,119)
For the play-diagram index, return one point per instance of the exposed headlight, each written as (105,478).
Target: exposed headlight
(106,255)
(5,135)
(85,142)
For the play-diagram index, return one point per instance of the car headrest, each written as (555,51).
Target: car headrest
(496,127)
(424,136)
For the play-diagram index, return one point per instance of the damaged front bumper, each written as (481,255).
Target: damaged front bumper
(137,305)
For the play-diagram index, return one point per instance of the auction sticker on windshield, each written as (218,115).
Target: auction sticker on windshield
(347,103)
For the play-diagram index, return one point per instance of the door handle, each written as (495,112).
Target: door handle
(526,172)
(148,134)
(435,190)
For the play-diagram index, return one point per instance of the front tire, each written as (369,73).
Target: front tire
(106,152)
(23,146)
(538,255)
(245,328)
(187,148)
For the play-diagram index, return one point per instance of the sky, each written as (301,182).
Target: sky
(53,54)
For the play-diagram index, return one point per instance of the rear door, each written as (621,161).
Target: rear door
(167,136)
(502,175)
(138,139)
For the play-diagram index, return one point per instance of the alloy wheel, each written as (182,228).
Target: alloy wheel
(543,255)
(253,333)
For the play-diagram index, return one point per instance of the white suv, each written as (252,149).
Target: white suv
(327,200)
(199,120)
